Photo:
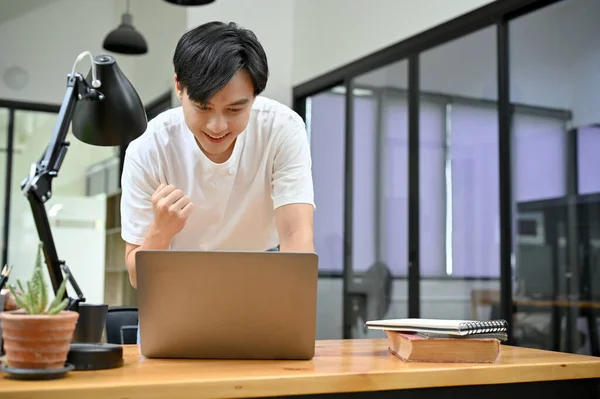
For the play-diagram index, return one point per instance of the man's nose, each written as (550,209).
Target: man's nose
(216,124)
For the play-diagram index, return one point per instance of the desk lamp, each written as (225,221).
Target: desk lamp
(104,111)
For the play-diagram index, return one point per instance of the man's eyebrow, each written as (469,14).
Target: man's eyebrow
(243,101)
(201,103)
(207,103)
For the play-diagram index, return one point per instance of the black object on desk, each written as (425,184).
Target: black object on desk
(105,110)
(122,325)
(37,374)
(90,324)
(90,356)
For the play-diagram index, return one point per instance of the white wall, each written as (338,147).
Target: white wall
(273,23)
(329,34)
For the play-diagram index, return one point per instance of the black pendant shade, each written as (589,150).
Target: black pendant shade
(190,2)
(116,119)
(125,39)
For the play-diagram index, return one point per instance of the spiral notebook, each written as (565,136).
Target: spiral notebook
(442,327)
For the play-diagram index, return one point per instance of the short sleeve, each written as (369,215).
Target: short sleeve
(137,186)
(292,170)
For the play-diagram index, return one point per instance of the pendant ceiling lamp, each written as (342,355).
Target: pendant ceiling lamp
(190,2)
(125,39)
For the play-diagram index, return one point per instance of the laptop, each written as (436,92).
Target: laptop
(227,305)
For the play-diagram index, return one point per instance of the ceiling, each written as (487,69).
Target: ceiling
(11,9)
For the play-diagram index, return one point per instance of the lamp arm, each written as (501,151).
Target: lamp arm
(37,186)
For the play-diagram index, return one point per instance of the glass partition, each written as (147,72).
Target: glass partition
(379,285)
(550,251)
(458,182)
(325,121)
(554,56)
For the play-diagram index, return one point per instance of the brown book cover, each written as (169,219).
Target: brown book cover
(416,348)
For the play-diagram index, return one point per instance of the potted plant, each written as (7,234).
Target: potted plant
(38,334)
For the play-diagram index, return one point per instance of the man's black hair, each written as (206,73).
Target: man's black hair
(207,57)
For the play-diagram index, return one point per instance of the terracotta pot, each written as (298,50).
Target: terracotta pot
(37,341)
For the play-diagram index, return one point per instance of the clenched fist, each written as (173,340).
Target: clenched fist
(171,210)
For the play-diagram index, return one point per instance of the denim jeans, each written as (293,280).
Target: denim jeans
(276,249)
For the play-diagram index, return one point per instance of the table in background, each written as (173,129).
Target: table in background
(558,308)
(340,369)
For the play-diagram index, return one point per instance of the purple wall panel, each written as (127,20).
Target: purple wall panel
(475,207)
(365,125)
(395,128)
(432,188)
(327,148)
(588,147)
(540,151)
(539,161)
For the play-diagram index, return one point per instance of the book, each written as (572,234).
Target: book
(501,336)
(442,327)
(415,348)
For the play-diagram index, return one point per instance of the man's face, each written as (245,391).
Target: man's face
(217,123)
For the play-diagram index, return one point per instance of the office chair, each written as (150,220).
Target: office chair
(122,325)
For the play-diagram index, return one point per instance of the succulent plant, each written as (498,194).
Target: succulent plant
(34,300)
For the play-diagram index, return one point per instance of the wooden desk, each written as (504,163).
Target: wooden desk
(339,367)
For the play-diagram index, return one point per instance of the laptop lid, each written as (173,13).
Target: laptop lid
(227,305)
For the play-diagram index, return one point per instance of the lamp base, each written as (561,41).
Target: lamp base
(90,356)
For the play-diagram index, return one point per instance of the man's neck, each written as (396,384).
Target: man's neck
(219,158)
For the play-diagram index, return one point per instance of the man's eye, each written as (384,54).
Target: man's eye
(235,109)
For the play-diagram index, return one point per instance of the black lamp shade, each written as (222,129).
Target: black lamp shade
(116,119)
(190,2)
(125,39)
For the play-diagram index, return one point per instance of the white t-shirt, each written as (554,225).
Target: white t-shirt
(234,201)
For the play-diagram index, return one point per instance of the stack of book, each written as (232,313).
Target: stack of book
(445,341)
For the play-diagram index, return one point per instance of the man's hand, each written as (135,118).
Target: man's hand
(171,210)
(9,300)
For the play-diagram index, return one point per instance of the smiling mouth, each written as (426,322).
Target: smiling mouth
(216,138)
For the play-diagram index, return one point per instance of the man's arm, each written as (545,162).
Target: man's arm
(151,212)
(293,196)
(171,208)
(295,227)
(152,241)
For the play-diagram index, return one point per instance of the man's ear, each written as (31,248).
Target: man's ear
(178,88)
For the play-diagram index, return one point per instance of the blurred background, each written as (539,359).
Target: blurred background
(454,150)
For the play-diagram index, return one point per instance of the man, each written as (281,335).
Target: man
(229,169)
